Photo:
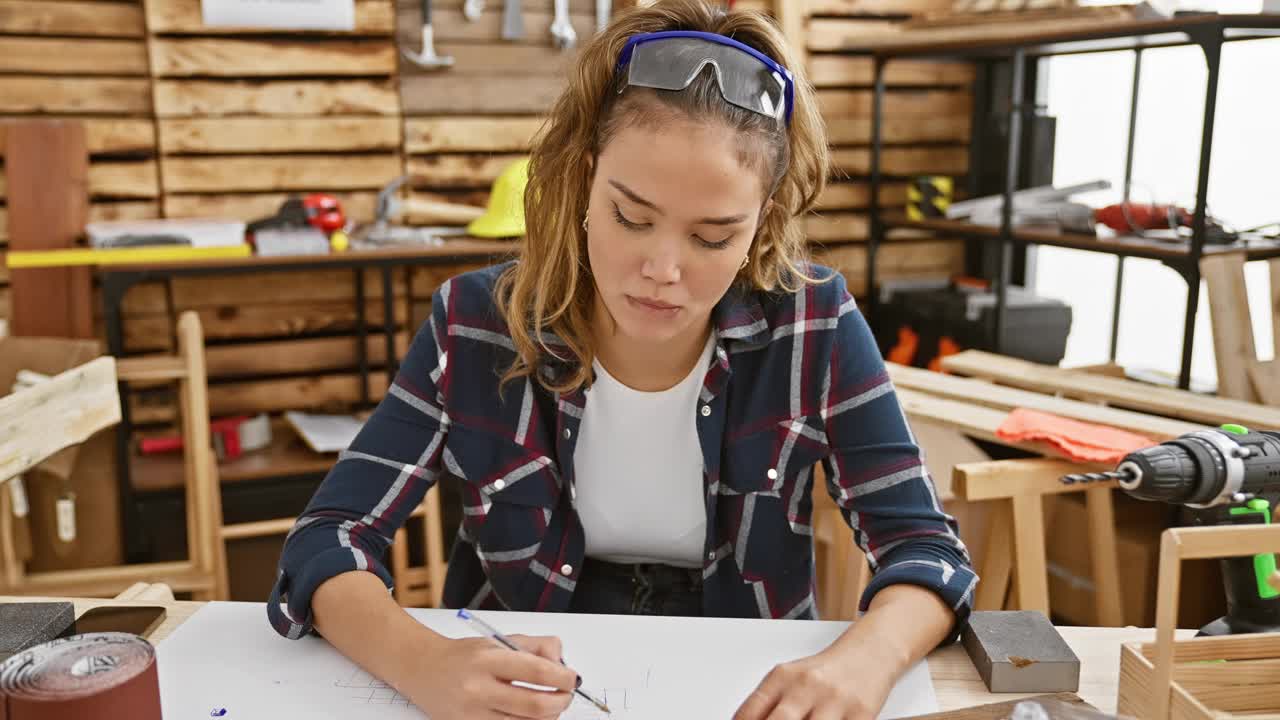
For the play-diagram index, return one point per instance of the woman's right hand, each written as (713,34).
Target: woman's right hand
(470,679)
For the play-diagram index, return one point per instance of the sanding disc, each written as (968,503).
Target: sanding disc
(93,676)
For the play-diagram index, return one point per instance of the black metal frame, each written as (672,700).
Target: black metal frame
(117,280)
(1208,33)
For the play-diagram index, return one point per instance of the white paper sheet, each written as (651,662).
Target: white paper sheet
(287,14)
(227,662)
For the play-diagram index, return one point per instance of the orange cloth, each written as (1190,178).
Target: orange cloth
(1086,442)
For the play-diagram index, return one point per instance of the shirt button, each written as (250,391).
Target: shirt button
(706,410)
(568,433)
(711,555)
(773,474)
(499,484)
(566,569)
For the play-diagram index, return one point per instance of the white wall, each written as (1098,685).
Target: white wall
(1089,94)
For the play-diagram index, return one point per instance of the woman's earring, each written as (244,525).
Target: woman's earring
(745,260)
(584,222)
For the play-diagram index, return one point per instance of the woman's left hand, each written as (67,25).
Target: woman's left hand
(820,687)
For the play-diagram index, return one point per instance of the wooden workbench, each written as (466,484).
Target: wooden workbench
(954,677)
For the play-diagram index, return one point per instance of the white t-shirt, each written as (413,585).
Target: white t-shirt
(638,471)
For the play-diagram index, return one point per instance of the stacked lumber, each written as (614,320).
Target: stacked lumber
(86,61)
(926,124)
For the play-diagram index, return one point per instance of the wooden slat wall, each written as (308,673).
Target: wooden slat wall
(85,60)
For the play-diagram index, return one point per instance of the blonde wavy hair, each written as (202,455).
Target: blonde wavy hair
(549,291)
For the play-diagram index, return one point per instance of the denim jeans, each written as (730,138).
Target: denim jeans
(640,589)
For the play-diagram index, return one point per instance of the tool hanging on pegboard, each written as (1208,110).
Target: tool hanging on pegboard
(427,58)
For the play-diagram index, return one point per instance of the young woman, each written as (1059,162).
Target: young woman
(635,407)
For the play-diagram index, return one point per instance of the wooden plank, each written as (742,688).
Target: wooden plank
(318,393)
(97,19)
(1233,346)
(298,356)
(876,7)
(124,179)
(452,26)
(1006,399)
(39,94)
(839,70)
(59,56)
(498,57)
(900,129)
(448,94)
(1002,479)
(951,103)
(857,196)
(226,57)
(287,98)
(426,279)
(837,226)
(996,563)
(133,210)
(469,134)
(1273,265)
(106,136)
(278,135)
(458,171)
(1031,568)
(842,33)
(976,421)
(895,260)
(903,161)
(279,172)
(1088,387)
(252,206)
(795,26)
(151,332)
(1104,555)
(211,291)
(56,414)
(373,17)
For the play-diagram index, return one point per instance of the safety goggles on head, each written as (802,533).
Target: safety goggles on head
(671,60)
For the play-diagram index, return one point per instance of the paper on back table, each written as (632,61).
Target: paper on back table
(227,658)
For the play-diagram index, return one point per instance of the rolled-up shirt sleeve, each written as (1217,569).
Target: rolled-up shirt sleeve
(877,476)
(374,485)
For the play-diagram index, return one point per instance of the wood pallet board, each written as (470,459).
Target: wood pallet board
(449,94)
(839,70)
(857,195)
(359,206)
(107,135)
(458,171)
(853,130)
(494,58)
(876,7)
(426,279)
(57,95)
(932,258)
(372,17)
(280,357)
(840,226)
(278,172)
(133,210)
(469,134)
(951,103)
(903,161)
(97,19)
(239,58)
(278,135)
(217,291)
(60,56)
(286,98)
(118,179)
(318,393)
(827,35)
(1121,392)
(151,331)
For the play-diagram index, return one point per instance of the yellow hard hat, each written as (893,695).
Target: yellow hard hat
(504,216)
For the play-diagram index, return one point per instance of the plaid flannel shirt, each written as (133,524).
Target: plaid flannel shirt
(796,379)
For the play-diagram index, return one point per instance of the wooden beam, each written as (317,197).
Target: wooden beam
(373,17)
(951,103)
(278,135)
(903,161)
(285,98)
(134,210)
(60,56)
(842,33)
(1088,387)
(151,332)
(106,136)
(225,57)
(497,57)
(899,129)
(976,421)
(457,171)
(1004,479)
(252,206)
(115,179)
(1005,399)
(1233,346)
(939,259)
(837,226)
(54,95)
(56,414)
(839,70)
(278,288)
(469,134)
(857,195)
(40,17)
(447,94)
(298,356)
(279,172)
(793,21)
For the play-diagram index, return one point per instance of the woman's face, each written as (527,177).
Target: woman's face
(672,214)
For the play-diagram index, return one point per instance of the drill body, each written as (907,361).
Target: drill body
(1229,476)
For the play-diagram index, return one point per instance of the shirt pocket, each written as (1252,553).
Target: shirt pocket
(765,507)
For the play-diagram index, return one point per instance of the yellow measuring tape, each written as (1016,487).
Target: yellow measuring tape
(122,256)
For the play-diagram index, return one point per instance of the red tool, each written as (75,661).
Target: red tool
(1131,217)
(232,437)
(324,211)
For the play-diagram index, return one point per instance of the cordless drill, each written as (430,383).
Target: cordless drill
(1229,476)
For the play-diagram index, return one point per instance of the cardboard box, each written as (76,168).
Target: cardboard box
(86,470)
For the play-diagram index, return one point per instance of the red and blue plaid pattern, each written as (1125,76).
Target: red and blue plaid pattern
(796,380)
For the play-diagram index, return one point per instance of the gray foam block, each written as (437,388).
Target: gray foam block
(27,624)
(1020,651)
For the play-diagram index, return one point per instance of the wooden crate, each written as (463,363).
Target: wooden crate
(1202,678)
